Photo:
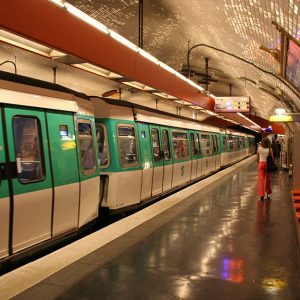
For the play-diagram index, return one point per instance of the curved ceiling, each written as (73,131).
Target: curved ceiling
(238,28)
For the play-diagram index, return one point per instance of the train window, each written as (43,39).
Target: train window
(230,142)
(86,147)
(224,141)
(180,144)
(155,144)
(192,138)
(215,143)
(28,149)
(235,143)
(166,145)
(205,144)
(103,149)
(197,144)
(127,146)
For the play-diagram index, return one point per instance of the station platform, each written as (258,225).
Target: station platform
(212,240)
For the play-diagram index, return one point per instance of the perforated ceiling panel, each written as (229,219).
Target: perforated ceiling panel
(237,27)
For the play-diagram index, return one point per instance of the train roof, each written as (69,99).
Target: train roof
(40,84)
(25,91)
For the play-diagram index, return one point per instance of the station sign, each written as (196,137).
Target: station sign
(232,104)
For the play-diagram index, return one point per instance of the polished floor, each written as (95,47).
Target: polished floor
(220,243)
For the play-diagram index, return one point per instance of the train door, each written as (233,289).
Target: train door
(89,177)
(4,198)
(194,154)
(158,164)
(65,169)
(31,187)
(167,159)
(146,160)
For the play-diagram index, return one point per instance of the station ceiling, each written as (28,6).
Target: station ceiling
(231,33)
(235,46)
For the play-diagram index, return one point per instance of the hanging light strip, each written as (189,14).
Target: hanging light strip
(249,120)
(101,27)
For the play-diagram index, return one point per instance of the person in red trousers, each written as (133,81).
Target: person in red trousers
(264,185)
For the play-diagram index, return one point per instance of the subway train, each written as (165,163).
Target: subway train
(66,159)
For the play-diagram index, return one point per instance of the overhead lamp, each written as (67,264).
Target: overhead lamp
(138,85)
(97,70)
(183,102)
(167,68)
(123,40)
(249,120)
(58,2)
(196,107)
(279,111)
(164,95)
(148,56)
(280,118)
(86,18)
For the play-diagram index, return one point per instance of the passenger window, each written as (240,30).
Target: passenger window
(192,138)
(103,149)
(224,141)
(155,144)
(127,146)
(180,144)
(166,145)
(216,147)
(28,149)
(205,144)
(197,143)
(86,147)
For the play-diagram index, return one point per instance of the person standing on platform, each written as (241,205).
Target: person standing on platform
(264,185)
(278,149)
(274,147)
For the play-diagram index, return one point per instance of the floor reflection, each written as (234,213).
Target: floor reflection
(263,214)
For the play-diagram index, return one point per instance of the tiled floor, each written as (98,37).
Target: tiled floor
(221,243)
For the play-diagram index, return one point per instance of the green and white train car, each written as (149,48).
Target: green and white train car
(66,159)
(144,154)
(49,183)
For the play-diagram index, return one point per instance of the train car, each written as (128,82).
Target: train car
(144,153)
(49,183)
(235,146)
(67,159)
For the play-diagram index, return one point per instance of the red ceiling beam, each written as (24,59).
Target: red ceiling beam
(50,25)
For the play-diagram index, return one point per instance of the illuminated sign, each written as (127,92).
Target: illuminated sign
(280,118)
(232,104)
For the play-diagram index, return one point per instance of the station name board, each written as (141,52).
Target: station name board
(232,104)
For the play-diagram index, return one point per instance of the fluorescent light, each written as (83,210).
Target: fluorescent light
(167,68)
(138,85)
(279,111)
(148,56)
(249,120)
(280,118)
(164,95)
(196,107)
(179,75)
(58,2)
(97,70)
(86,18)
(183,102)
(123,40)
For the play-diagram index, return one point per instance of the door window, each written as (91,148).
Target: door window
(155,144)
(86,147)
(127,146)
(180,144)
(28,149)
(205,144)
(103,149)
(166,145)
